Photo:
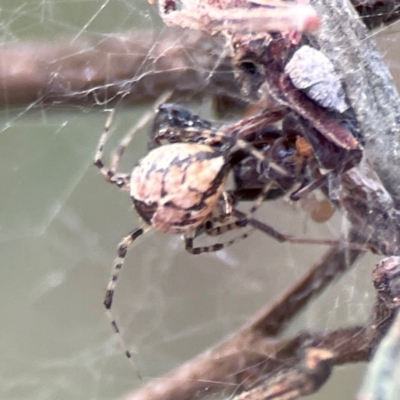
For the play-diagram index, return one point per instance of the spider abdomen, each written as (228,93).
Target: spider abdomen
(176,187)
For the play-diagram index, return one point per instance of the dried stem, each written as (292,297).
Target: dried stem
(144,65)
(138,67)
(251,356)
(225,368)
(370,89)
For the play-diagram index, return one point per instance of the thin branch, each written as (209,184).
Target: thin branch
(221,369)
(138,67)
(370,207)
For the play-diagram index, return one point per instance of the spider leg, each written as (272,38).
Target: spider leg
(189,243)
(225,213)
(258,155)
(304,190)
(127,139)
(121,180)
(221,213)
(282,238)
(243,219)
(117,267)
(247,219)
(110,173)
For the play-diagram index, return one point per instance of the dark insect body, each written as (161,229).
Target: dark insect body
(302,79)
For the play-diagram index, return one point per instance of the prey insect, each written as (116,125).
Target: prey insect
(289,164)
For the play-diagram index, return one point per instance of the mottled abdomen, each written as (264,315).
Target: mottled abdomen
(176,187)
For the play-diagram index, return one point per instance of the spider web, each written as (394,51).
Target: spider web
(60,224)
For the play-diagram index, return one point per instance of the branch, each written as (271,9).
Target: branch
(369,87)
(137,66)
(382,380)
(225,367)
(250,357)
(370,207)
(144,65)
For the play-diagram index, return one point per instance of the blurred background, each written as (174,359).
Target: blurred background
(60,224)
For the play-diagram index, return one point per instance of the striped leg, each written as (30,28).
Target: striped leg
(100,148)
(211,230)
(121,180)
(189,244)
(127,139)
(118,264)
(241,222)
(110,173)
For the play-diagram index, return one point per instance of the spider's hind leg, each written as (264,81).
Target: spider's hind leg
(189,243)
(242,221)
(224,215)
(117,267)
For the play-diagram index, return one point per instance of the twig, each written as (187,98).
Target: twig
(224,368)
(138,67)
(382,380)
(370,207)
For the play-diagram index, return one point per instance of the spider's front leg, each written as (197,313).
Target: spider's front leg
(119,179)
(176,124)
(111,173)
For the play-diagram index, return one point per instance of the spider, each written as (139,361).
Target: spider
(180,188)
(177,188)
